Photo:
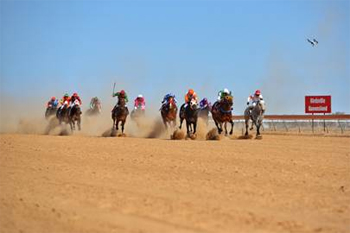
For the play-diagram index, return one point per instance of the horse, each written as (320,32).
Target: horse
(204,113)
(137,113)
(221,113)
(169,112)
(190,114)
(95,110)
(62,115)
(256,115)
(50,111)
(119,114)
(74,115)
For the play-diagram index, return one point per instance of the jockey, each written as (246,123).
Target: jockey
(64,103)
(166,98)
(223,93)
(204,103)
(94,101)
(74,97)
(139,101)
(253,99)
(121,94)
(53,103)
(189,96)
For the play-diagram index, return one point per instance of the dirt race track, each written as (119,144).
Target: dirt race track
(96,184)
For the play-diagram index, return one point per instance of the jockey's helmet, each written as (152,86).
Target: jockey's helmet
(190,91)
(226,91)
(140,96)
(53,98)
(75,94)
(257,92)
(66,95)
(122,92)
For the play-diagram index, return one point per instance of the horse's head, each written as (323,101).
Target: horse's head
(193,104)
(228,100)
(121,102)
(171,103)
(260,106)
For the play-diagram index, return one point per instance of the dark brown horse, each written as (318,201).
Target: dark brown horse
(190,114)
(74,116)
(50,111)
(62,115)
(221,112)
(119,114)
(169,112)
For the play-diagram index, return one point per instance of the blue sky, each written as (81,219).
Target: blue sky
(154,47)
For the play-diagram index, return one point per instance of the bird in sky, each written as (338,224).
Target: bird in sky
(313,42)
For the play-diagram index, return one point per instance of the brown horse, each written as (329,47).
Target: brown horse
(119,114)
(221,112)
(169,112)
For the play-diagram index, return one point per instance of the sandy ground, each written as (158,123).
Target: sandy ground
(95,184)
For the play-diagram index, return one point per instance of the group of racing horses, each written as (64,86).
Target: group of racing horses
(69,115)
(221,112)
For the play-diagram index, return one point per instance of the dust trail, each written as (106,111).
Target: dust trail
(213,134)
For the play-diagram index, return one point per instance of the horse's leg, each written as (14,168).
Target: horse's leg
(258,124)
(117,125)
(188,126)
(232,124)
(220,127)
(252,127)
(225,125)
(71,125)
(78,122)
(246,127)
(123,122)
(194,127)
(165,123)
(181,120)
(217,126)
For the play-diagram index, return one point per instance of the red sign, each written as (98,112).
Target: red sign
(318,104)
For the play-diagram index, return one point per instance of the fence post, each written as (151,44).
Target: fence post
(341,128)
(285,126)
(274,128)
(296,122)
